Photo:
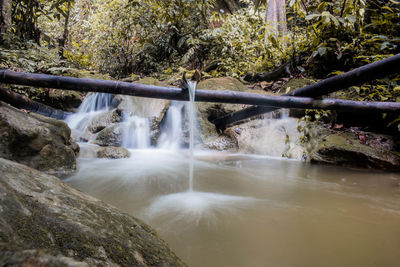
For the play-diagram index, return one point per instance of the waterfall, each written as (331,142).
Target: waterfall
(95,102)
(172,131)
(136,132)
(92,105)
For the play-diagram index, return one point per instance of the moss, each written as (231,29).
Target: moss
(226,83)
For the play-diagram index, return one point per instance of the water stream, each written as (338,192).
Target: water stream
(247,210)
(250,210)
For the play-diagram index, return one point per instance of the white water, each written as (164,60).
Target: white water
(92,106)
(136,132)
(192,117)
(172,131)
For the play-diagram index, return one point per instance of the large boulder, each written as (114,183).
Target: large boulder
(353,148)
(40,142)
(207,112)
(44,222)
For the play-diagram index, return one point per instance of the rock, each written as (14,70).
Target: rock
(110,136)
(272,137)
(353,149)
(113,152)
(44,222)
(103,120)
(222,143)
(294,84)
(37,257)
(40,142)
(291,86)
(210,111)
(64,99)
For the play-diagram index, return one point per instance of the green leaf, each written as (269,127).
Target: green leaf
(312,16)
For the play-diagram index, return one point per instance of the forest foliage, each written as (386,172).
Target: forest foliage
(149,37)
(125,36)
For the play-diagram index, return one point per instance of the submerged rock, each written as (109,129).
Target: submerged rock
(44,222)
(353,149)
(40,142)
(113,152)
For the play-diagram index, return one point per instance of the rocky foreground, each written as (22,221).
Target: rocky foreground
(44,222)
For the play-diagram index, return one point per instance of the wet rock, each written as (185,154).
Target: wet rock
(207,112)
(110,136)
(113,152)
(353,149)
(40,142)
(103,120)
(44,222)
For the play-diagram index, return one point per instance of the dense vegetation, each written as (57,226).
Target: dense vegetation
(224,38)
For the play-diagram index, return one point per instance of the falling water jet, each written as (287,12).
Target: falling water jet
(191,89)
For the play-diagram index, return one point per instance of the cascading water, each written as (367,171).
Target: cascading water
(135,132)
(135,126)
(92,106)
(172,130)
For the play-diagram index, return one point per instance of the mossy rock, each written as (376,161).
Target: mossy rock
(40,142)
(64,99)
(43,218)
(224,83)
(208,112)
(295,84)
(149,81)
(345,148)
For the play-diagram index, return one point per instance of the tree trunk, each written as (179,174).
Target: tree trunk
(64,38)
(276,17)
(23,102)
(5,15)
